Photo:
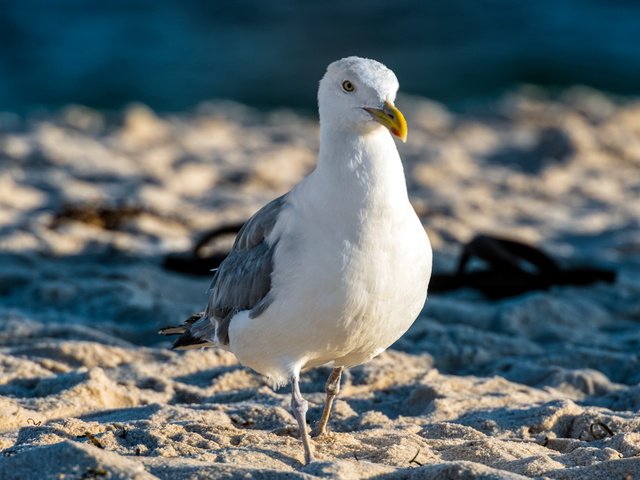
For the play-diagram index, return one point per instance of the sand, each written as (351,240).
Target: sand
(545,384)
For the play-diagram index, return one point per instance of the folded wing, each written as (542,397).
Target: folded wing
(242,282)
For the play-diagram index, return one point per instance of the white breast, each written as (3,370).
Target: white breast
(351,270)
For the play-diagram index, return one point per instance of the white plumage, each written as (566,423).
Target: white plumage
(341,264)
(351,265)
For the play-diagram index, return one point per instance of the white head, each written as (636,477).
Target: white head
(357,94)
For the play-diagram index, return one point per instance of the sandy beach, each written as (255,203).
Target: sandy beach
(543,385)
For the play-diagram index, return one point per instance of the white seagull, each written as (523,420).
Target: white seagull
(334,271)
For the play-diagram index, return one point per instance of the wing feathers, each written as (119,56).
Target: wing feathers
(242,282)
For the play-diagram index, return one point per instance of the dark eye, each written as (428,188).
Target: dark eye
(347,86)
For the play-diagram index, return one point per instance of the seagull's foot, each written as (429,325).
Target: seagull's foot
(319,431)
(309,457)
(332,388)
(308,452)
(307,444)
(299,407)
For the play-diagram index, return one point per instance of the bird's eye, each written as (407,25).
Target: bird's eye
(348,87)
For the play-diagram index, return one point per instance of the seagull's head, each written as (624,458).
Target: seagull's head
(357,94)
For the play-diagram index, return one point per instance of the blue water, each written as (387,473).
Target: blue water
(172,54)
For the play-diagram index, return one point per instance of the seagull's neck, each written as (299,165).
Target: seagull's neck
(363,167)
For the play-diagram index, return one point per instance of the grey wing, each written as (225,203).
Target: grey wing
(243,280)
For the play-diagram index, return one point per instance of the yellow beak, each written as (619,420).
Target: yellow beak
(392,118)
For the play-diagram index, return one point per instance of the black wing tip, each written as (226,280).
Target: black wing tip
(172,330)
(188,341)
(181,329)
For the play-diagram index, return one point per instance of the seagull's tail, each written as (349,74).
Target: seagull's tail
(194,333)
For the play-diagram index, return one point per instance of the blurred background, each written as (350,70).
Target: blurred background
(173,54)
(114,144)
(119,152)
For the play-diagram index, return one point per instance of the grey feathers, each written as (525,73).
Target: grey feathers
(242,282)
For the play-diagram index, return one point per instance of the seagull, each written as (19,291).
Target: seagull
(337,269)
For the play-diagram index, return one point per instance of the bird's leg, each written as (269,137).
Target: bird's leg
(332,388)
(299,407)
